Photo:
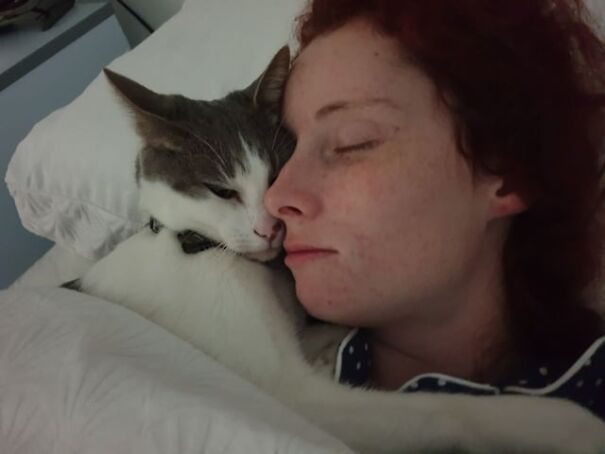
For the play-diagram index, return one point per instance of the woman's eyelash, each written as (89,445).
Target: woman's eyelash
(361,146)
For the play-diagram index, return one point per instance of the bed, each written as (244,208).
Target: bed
(57,266)
(78,375)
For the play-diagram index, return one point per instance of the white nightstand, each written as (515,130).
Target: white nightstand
(39,73)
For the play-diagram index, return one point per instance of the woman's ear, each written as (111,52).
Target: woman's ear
(508,196)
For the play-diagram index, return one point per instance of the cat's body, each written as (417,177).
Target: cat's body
(244,313)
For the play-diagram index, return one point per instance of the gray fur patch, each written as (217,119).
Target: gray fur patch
(190,143)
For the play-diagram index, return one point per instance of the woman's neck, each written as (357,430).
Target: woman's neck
(457,343)
(455,352)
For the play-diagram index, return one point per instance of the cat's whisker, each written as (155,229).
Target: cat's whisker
(225,262)
(281,140)
(221,245)
(212,149)
(274,153)
(222,170)
(273,142)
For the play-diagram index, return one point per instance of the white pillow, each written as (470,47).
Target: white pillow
(597,9)
(72,177)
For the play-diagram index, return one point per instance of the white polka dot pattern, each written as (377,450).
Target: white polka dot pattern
(581,382)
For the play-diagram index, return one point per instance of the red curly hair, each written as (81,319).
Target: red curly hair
(524,81)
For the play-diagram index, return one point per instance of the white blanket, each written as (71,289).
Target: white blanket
(82,375)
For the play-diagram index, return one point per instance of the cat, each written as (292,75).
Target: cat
(201,271)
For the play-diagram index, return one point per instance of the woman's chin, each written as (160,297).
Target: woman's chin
(320,305)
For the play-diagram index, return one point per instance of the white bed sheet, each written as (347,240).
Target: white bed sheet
(82,375)
(57,266)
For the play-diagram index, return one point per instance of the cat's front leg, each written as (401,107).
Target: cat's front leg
(523,424)
(516,424)
(386,422)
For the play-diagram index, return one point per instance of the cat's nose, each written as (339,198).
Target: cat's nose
(271,232)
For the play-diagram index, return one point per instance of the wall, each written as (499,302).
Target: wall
(48,87)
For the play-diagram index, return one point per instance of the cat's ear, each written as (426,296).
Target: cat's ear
(267,91)
(155,114)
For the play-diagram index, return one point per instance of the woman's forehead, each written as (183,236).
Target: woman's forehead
(351,55)
(350,66)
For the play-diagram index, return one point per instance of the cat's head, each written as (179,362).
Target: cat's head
(205,165)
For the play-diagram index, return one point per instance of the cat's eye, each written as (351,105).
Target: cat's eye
(223,193)
(361,146)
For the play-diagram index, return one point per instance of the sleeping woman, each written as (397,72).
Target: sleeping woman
(445,192)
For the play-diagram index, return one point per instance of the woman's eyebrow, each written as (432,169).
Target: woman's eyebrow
(356,104)
(340,106)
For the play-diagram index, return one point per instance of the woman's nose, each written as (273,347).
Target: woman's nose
(292,195)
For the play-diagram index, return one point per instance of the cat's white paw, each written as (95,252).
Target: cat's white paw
(537,425)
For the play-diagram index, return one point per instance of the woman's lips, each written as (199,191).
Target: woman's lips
(301,254)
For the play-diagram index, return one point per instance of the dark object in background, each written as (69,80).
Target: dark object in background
(44,12)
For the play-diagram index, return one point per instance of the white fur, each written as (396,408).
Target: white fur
(228,221)
(246,316)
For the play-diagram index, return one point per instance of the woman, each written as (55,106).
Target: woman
(444,189)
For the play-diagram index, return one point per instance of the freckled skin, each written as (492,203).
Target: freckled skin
(412,231)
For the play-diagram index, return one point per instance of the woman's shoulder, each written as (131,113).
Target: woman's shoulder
(582,381)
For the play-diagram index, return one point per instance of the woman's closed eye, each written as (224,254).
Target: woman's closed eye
(358,135)
(358,146)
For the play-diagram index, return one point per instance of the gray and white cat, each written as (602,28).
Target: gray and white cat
(202,173)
